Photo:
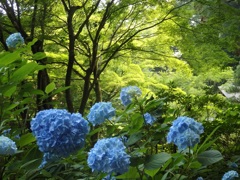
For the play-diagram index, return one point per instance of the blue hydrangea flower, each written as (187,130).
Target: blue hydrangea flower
(14,40)
(149,119)
(109,177)
(59,132)
(199,178)
(185,132)
(230,175)
(101,111)
(128,93)
(7,146)
(109,156)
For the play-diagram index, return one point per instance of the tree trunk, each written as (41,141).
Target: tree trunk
(42,79)
(68,82)
(97,87)
(86,91)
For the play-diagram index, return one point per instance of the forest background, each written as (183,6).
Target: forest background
(181,54)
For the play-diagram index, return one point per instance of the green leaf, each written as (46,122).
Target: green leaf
(50,87)
(134,138)
(151,172)
(9,91)
(9,58)
(60,89)
(157,160)
(13,105)
(195,165)
(39,56)
(131,174)
(209,157)
(23,71)
(136,123)
(204,145)
(29,163)
(26,139)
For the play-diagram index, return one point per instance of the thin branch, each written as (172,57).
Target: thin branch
(87,18)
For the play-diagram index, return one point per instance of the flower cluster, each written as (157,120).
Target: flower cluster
(128,93)
(185,132)
(58,132)
(101,111)
(149,119)
(7,146)
(108,156)
(14,40)
(230,175)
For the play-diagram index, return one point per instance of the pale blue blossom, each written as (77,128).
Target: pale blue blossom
(7,146)
(109,156)
(230,175)
(128,93)
(14,40)
(101,111)
(185,132)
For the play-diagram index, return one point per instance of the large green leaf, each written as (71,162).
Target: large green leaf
(131,174)
(23,71)
(9,91)
(136,123)
(157,160)
(26,139)
(9,58)
(151,172)
(134,138)
(39,56)
(209,157)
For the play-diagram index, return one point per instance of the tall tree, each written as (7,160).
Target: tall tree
(99,31)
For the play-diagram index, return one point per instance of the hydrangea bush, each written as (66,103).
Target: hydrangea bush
(133,146)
